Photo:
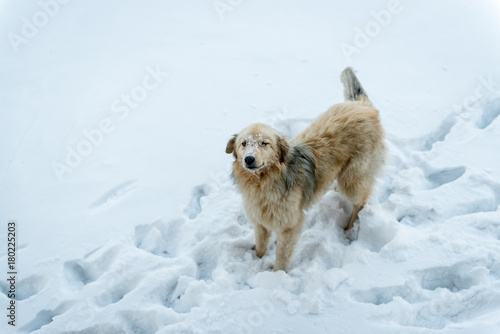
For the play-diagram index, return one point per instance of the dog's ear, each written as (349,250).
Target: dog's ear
(230,145)
(283,148)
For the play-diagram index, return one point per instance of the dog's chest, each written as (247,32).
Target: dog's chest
(268,208)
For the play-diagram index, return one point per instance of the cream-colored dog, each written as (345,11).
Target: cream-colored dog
(280,179)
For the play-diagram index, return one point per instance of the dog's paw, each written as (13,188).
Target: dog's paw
(261,254)
(352,233)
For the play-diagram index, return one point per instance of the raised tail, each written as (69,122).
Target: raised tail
(353,91)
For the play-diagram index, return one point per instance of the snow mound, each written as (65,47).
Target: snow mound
(425,256)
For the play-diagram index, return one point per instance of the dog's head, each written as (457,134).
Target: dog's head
(258,147)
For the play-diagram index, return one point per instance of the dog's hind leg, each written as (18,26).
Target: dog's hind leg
(356,185)
(355,211)
(286,245)
(262,235)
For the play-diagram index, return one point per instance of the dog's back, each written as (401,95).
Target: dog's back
(348,143)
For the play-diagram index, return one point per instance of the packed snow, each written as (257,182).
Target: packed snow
(115,117)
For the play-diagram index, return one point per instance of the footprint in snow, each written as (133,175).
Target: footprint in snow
(112,196)
(26,287)
(45,317)
(490,113)
(455,278)
(385,295)
(440,133)
(444,176)
(81,272)
(194,207)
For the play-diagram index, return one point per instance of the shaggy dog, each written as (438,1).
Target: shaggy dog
(279,179)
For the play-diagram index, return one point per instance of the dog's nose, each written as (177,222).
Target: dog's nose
(249,160)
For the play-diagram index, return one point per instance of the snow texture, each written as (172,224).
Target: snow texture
(427,257)
(95,257)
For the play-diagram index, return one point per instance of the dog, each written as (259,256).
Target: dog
(279,179)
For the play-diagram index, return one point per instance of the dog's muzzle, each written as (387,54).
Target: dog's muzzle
(249,160)
(250,163)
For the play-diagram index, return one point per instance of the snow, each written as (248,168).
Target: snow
(115,117)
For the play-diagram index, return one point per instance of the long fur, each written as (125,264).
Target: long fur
(353,91)
(301,169)
(346,144)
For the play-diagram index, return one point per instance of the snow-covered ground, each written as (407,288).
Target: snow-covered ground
(114,119)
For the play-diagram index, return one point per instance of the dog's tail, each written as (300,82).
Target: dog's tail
(353,91)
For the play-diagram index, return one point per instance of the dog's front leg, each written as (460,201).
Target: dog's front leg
(262,235)
(286,244)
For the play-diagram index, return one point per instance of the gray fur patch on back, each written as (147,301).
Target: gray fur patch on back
(301,170)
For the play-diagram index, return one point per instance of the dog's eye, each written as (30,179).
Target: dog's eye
(244,143)
(263,144)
